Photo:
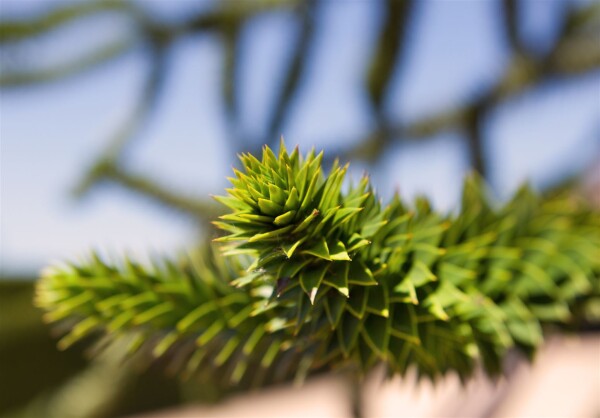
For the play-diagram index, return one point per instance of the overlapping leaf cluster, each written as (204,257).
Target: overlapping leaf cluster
(328,277)
(185,314)
(405,285)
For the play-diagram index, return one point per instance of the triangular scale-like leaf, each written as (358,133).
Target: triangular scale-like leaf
(310,280)
(210,333)
(269,158)
(338,252)
(269,207)
(306,222)
(371,228)
(165,343)
(434,307)
(271,234)
(227,350)
(251,162)
(378,301)
(139,299)
(526,332)
(247,278)
(294,159)
(302,309)
(303,368)
(376,331)
(253,340)
(253,192)
(310,191)
(302,181)
(276,194)
(420,274)
(323,221)
(429,232)
(522,324)
(318,249)
(367,357)
(400,352)
(120,321)
(242,195)
(455,274)
(360,274)
(187,322)
(153,313)
(277,324)
(344,215)
(240,368)
(237,218)
(331,190)
(449,295)
(232,203)
(110,303)
(334,308)
(404,323)
(271,353)
(255,218)
(291,180)
(79,331)
(426,253)
(240,317)
(285,219)
(357,242)
(289,249)
(291,268)
(357,304)
(357,201)
(293,200)
(283,153)
(555,312)
(540,278)
(347,333)
(338,278)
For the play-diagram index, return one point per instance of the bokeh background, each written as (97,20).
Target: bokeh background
(118,119)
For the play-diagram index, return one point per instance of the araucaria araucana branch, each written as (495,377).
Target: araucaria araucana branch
(319,274)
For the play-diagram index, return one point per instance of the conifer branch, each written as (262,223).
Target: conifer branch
(327,277)
(184,314)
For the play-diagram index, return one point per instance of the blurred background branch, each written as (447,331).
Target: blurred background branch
(575,52)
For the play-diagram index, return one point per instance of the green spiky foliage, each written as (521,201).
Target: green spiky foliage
(320,275)
(185,314)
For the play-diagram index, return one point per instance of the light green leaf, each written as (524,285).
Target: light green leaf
(338,252)
(293,200)
(269,207)
(318,249)
(271,234)
(420,274)
(310,280)
(285,219)
(338,278)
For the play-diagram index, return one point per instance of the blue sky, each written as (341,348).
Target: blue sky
(49,134)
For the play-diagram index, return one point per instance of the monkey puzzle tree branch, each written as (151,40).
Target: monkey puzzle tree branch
(341,281)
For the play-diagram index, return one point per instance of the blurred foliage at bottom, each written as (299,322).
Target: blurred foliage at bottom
(37,380)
